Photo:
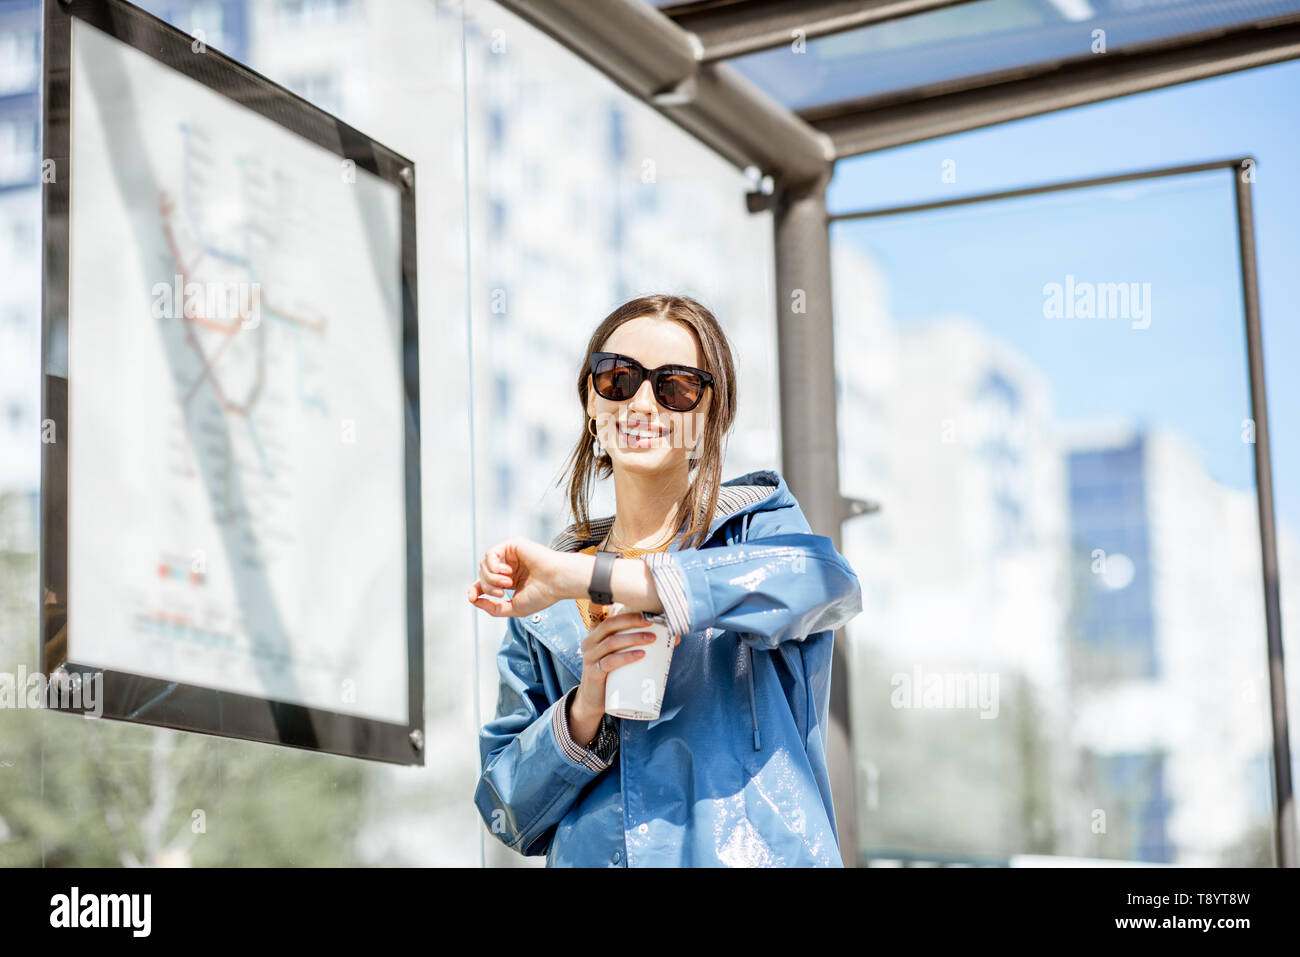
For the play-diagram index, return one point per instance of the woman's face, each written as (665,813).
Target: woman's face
(639,434)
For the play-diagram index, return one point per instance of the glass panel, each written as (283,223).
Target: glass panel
(982,37)
(559,237)
(1062,650)
(20,414)
(1179,125)
(631,206)
(87,792)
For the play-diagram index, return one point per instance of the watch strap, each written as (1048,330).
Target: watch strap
(599,590)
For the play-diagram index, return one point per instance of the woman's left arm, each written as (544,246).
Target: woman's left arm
(783,584)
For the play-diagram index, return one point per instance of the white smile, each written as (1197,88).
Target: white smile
(640,437)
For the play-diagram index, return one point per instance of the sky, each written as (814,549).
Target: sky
(1185,370)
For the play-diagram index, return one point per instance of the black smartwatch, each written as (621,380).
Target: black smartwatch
(599,590)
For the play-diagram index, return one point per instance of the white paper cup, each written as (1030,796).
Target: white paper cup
(636,690)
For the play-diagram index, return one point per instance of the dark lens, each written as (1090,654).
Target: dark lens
(680,390)
(616,380)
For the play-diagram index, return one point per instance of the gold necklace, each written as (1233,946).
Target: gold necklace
(618,544)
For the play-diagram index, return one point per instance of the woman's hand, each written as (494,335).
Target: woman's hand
(539,576)
(613,643)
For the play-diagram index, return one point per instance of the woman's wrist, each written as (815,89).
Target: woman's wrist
(630,581)
(576,576)
(583,727)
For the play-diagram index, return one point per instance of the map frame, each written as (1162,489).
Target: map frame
(155,701)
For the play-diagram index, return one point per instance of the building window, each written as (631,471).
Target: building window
(496,129)
(319,88)
(17,150)
(497,218)
(206,20)
(314,13)
(617,134)
(22,233)
(19,59)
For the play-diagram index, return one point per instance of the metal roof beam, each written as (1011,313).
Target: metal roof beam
(657,61)
(727,28)
(883,122)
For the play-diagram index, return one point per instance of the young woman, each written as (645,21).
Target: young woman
(733,771)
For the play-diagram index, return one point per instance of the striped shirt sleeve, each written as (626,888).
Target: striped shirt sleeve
(671,586)
(606,746)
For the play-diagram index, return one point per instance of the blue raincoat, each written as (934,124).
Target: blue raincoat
(733,771)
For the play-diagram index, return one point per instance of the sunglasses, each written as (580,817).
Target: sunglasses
(676,387)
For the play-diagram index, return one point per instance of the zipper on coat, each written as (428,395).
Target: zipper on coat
(753,710)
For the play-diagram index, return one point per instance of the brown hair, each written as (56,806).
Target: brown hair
(701,497)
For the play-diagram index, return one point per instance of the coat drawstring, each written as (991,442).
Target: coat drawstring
(753,710)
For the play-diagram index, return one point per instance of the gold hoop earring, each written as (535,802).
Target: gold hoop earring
(597,449)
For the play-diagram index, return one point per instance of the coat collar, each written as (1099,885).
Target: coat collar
(741,494)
